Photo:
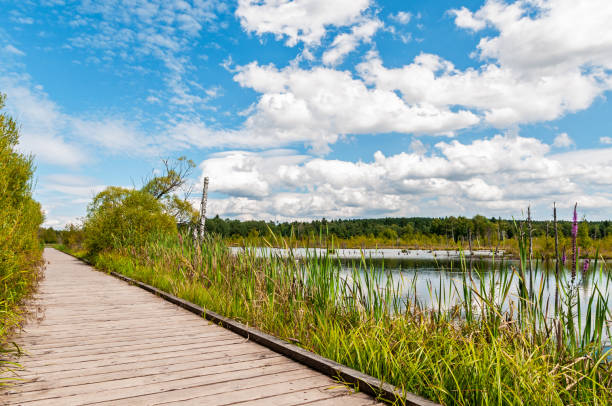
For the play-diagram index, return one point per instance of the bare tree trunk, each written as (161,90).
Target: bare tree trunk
(556,257)
(558,321)
(202,224)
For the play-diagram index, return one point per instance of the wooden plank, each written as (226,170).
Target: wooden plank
(113,350)
(300,392)
(222,350)
(156,366)
(230,382)
(210,374)
(199,346)
(151,362)
(117,340)
(194,323)
(358,399)
(55,341)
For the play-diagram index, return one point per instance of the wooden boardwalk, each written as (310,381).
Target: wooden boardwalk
(98,340)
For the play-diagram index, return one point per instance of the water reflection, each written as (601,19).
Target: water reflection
(439,283)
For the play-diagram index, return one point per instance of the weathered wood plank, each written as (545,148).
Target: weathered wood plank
(154,361)
(101,374)
(213,374)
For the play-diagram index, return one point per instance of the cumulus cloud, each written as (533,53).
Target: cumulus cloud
(318,105)
(548,36)
(469,177)
(551,74)
(298,20)
(402,17)
(502,96)
(464,18)
(563,141)
(543,63)
(344,43)
(246,174)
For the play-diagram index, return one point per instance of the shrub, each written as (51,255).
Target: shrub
(119,217)
(20,219)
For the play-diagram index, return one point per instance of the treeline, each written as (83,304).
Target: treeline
(478,229)
(20,219)
(454,228)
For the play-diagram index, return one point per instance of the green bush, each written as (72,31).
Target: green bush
(72,236)
(119,217)
(20,219)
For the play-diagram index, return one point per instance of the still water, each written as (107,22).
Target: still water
(438,283)
(435,279)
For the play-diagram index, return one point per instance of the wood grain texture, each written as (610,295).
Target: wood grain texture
(96,339)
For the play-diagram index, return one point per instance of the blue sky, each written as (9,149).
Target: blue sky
(314,108)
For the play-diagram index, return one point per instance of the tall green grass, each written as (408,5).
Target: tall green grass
(20,249)
(497,345)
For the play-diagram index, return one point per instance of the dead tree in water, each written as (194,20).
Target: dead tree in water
(202,223)
(558,322)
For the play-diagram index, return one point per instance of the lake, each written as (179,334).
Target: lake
(435,278)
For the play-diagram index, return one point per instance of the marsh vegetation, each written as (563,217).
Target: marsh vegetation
(482,337)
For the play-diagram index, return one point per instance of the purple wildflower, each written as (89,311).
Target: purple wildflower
(585,265)
(574,235)
(563,258)
(575,224)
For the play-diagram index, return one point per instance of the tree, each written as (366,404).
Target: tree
(20,219)
(119,217)
(174,178)
(584,241)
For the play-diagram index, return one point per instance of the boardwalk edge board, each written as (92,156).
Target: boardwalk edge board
(365,383)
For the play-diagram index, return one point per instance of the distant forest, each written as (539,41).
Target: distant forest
(458,229)
(455,228)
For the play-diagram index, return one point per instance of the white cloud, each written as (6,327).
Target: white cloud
(549,36)
(318,105)
(550,57)
(401,17)
(606,140)
(114,135)
(59,138)
(12,50)
(464,177)
(298,20)
(563,141)
(503,96)
(246,174)
(41,125)
(344,43)
(464,18)
(65,196)
(164,30)
(430,95)
(23,20)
